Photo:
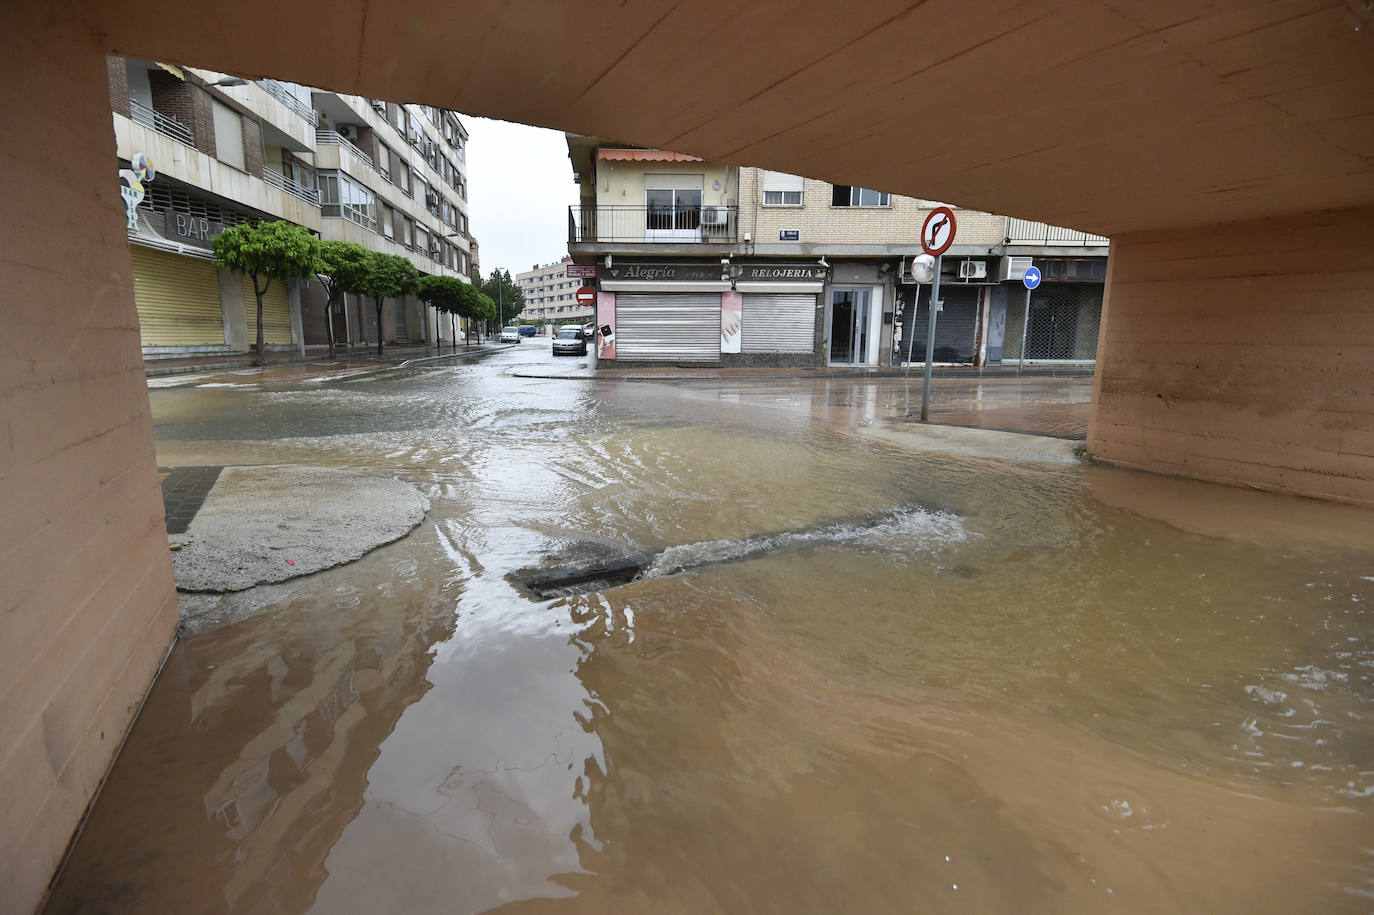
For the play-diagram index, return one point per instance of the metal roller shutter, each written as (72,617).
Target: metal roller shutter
(276,313)
(402,332)
(668,327)
(177,298)
(778,323)
(955,328)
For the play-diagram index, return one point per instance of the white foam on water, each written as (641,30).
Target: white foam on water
(902,530)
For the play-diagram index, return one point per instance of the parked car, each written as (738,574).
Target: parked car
(589,330)
(528,330)
(510,334)
(569,341)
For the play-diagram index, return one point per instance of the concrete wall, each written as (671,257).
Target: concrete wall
(1243,353)
(820,223)
(622,183)
(88,608)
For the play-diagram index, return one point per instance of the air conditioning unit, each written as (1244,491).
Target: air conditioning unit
(715,216)
(453,141)
(379,106)
(1014,268)
(348,132)
(414,136)
(432,199)
(973,270)
(435,249)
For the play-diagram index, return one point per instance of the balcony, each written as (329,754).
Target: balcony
(658,225)
(168,127)
(294,188)
(1026,232)
(279,92)
(332,138)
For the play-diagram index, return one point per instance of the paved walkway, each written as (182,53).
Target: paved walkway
(241,371)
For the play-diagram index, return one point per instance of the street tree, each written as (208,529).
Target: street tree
(444,293)
(504,293)
(340,270)
(472,307)
(266,251)
(386,276)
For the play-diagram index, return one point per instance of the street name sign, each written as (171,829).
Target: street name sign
(581,271)
(937,232)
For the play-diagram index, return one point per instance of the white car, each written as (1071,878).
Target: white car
(510,335)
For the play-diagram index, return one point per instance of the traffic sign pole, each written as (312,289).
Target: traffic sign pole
(930,339)
(1030,280)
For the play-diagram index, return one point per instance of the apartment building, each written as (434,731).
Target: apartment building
(550,294)
(707,262)
(199,151)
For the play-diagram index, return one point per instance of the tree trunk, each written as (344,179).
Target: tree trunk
(259,293)
(378,300)
(329,321)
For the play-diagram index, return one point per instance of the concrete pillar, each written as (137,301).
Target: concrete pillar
(235,316)
(88,609)
(1243,354)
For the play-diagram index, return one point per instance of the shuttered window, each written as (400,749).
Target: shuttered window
(668,328)
(955,329)
(177,298)
(778,323)
(276,313)
(782,189)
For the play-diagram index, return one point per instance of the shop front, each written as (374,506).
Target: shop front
(710,313)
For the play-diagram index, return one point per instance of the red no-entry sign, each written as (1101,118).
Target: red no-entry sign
(586,295)
(937,234)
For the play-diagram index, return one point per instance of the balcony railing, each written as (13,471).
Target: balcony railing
(294,188)
(1026,232)
(332,138)
(168,127)
(279,92)
(705,225)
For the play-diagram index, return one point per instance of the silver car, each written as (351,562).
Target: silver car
(510,335)
(569,341)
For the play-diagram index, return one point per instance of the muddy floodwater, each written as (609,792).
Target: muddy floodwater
(853,678)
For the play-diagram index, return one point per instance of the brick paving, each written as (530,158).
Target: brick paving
(183,493)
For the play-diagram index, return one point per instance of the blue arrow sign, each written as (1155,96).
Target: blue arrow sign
(1032,277)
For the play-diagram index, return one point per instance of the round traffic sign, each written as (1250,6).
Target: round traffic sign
(586,295)
(1032,277)
(937,232)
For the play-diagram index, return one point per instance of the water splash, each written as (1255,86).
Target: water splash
(900,530)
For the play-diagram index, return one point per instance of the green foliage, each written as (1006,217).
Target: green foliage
(445,293)
(502,290)
(386,276)
(267,251)
(340,267)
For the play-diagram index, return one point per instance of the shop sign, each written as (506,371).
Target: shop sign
(188,229)
(131,182)
(710,272)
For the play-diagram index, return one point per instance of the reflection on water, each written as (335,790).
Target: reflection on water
(1016,696)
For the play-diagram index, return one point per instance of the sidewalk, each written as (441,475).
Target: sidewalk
(239,369)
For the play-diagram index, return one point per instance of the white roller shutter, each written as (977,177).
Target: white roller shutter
(668,327)
(177,298)
(778,323)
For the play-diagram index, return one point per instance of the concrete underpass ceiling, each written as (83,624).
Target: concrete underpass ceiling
(1113,117)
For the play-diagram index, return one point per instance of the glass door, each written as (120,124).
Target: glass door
(849,326)
(672,215)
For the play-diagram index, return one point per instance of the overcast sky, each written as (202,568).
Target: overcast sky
(519,189)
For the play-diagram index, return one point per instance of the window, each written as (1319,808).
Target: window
(228,134)
(422,239)
(407,231)
(402,177)
(782,190)
(462,188)
(843,195)
(340,195)
(384,160)
(388,221)
(419,186)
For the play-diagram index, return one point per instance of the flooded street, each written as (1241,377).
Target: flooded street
(853,676)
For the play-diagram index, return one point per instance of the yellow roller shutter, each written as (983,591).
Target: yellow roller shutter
(177,298)
(276,313)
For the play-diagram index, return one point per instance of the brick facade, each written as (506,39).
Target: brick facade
(186,103)
(117,73)
(252,146)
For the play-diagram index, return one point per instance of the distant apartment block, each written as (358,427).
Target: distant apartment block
(222,151)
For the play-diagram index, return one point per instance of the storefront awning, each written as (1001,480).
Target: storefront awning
(643,155)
